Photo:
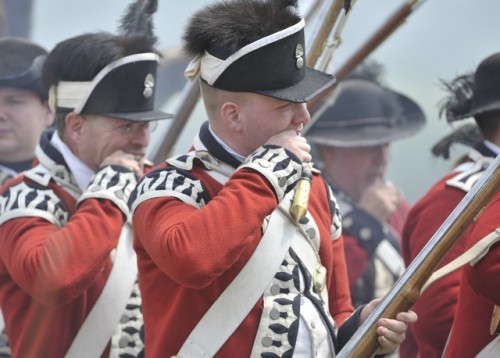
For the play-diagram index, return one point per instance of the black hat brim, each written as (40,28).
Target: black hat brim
(310,86)
(491,107)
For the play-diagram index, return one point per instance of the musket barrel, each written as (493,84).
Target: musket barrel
(407,289)
(324,30)
(378,37)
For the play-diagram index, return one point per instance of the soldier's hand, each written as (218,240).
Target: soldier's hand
(134,162)
(380,200)
(294,142)
(391,332)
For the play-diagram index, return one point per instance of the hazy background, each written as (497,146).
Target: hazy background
(441,39)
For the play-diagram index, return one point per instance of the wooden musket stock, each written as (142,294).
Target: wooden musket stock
(407,289)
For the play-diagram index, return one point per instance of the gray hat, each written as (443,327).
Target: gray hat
(365,114)
(21,65)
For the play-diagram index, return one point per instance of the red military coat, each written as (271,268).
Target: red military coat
(436,306)
(54,256)
(187,255)
(479,290)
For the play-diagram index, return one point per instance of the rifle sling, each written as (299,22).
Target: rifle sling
(472,256)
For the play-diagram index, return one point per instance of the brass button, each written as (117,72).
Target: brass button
(124,318)
(365,234)
(319,279)
(347,222)
(267,341)
(123,342)
(274,314)
(275,289)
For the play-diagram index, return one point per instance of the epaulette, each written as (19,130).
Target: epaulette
(467,174)
(175,180)
(30,199)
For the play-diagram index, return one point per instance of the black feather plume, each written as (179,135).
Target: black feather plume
(138,19)
(468,134)
(458,100)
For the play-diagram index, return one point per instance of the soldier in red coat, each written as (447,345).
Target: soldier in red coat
(225,269)
(475,96)
(353,136)
(24,114)
(24,111)
(68,276)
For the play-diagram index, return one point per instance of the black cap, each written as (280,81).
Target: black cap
(273,63)
(277,69)
(123,89)
(364,113)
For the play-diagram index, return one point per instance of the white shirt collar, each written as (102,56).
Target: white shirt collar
(231,151)
(81,172)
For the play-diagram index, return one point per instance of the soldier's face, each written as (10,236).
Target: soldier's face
(263,117)
(102,136)
(356,168)
(23,117)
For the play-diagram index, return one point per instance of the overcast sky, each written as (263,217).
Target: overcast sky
(441,39)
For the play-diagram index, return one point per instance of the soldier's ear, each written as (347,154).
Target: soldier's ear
(74,125)
(49,115)
(231,115)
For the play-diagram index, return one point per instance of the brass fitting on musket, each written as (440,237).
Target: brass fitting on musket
(302,192)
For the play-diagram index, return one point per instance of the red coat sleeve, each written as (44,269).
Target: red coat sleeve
(56,264)
(208,240)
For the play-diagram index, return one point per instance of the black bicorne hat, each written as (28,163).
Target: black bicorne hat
(21,63)
(123,89)
(485,89)
(365,114)
(273,66)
